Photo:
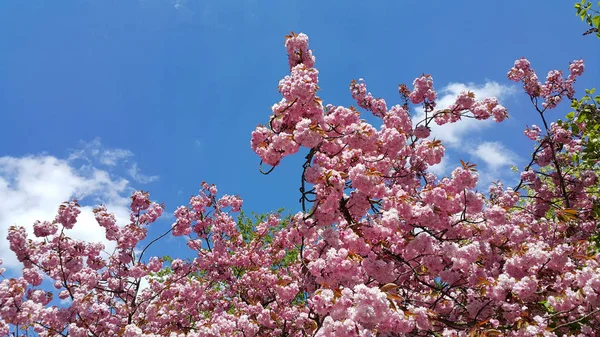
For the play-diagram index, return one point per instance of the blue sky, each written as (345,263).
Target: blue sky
(101,97)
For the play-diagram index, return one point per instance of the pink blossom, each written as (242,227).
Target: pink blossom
(422,131)
(533,132)
(381,247)
(423,89)
(45,228)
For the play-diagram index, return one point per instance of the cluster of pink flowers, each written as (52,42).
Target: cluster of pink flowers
(382,247)
(423,90)
(366,100)
(554,89)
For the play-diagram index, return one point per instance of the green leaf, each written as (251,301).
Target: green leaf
(596,21)
(570,115)
(547,306)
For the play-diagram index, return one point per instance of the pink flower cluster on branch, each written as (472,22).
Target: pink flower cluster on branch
(382,247)
(554,89)
(456,262)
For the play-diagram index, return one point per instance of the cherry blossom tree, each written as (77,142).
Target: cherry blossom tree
(381,246)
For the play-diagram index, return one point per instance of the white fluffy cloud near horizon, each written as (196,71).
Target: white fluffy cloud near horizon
(32,187)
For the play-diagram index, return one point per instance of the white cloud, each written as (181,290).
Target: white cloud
(32,188)
(110,157)
(497,159)
(179,4)
(453,134)
(138,176)
(495,155)
(96,153)
(95,150)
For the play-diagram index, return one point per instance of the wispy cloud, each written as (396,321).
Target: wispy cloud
(95,153)
(138,176)
(180,4)
(111,157)
(94,150)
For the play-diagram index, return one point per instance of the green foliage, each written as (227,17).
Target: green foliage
(584,121)
(247,227)
(547,307)
(586,113)
(591,16)
(162,274)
